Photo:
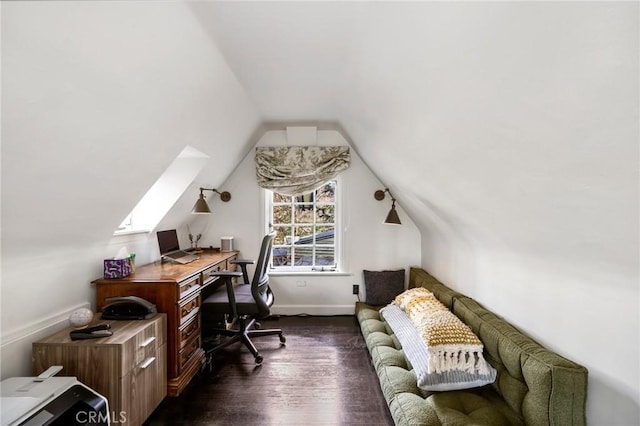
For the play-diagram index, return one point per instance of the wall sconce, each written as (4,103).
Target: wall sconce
(392,217)
(201,206)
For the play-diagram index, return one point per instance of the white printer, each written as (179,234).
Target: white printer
(34,401)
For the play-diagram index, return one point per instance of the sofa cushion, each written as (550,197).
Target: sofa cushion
(381,287)
(481,407)
(410,405)
(534,385)
(412,410)
(540,385)
(421,278)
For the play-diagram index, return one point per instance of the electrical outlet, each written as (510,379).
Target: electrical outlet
(356,289)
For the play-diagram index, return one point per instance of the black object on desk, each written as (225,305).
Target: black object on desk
(128,308)
(96,332)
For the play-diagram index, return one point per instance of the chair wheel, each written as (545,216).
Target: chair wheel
(282,339)
(259,359)
(207,364)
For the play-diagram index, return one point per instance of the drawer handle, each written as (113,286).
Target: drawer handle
(147,362)
(190,329)
(147,342)
(187,309)
(188,355)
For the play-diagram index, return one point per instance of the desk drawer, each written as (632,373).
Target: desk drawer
(206,279)
(190,349)
(146,343)
(190,328)
(215,268)
(189,286)
(188,309)
(144,339)
(232,266)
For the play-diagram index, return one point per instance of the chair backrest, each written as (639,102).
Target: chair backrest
(260,290)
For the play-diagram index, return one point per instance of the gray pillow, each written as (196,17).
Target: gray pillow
(381,287)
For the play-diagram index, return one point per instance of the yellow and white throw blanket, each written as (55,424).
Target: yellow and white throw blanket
(450,343)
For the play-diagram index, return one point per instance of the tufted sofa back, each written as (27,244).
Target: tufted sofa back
(541,386)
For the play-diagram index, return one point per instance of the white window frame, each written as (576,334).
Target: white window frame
(338,235)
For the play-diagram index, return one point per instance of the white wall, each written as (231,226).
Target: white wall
(584,313)
(368,243)
(97,99)
(528,190)
(522,121)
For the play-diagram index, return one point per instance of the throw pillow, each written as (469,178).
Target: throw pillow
(406,296)
(381,287)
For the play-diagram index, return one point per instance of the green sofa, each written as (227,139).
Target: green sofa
(534,386)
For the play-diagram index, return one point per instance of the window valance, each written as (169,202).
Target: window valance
(295,170)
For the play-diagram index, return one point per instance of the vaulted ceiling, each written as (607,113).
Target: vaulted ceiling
(505,124)
(507,127)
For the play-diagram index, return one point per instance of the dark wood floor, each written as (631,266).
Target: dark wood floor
(322,376)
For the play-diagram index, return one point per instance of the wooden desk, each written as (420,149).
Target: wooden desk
(175,290)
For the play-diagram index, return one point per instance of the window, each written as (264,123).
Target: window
(305,227)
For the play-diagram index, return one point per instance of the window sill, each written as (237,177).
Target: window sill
(309,273)
(131,232)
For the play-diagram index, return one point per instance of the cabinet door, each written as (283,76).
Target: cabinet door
(98,366)
(144,387)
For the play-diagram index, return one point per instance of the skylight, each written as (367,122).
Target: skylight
(163,194)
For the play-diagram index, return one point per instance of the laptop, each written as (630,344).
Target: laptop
(170,248)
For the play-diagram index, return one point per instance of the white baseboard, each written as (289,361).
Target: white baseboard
(313,310)
(15,346)
(53,322)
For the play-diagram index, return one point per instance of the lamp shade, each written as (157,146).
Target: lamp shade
(392,217)
(201,206)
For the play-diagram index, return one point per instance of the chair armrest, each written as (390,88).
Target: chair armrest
(230,274)
(227,276)
(245,261)
(243,265)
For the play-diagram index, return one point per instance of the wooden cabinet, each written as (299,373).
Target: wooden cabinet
(128,368)
(175,290)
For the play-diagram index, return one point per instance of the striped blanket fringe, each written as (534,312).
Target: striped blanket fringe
(450,343)
(443,359)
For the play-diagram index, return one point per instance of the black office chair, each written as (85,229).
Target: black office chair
(246,303)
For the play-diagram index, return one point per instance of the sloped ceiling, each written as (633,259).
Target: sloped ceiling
(98,99)
(508,132)
(507,125)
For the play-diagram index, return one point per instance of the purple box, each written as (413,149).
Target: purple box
(117,268)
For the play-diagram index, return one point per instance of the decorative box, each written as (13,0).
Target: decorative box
(117,268)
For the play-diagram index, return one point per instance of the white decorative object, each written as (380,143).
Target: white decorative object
(80,318)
